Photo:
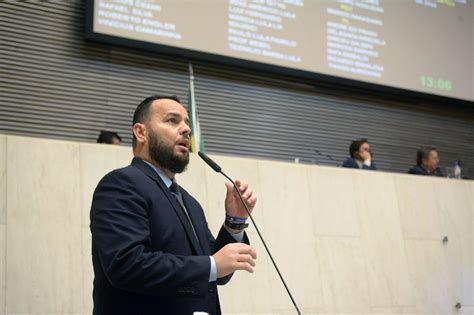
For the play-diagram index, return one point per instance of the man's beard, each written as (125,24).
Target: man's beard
(164,155)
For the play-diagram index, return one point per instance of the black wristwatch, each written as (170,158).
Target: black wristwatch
(236,226)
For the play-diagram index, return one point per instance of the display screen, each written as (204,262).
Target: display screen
(417,45)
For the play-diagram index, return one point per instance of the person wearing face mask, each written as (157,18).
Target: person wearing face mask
(361,156)
(427,161)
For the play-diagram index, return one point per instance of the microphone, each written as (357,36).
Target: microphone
(218,169)
(212,164)
(326,156)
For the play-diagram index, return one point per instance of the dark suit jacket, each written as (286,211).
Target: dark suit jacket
(146,258)
(418,170)
(351,163)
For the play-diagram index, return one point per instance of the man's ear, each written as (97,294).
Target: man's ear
(140,132)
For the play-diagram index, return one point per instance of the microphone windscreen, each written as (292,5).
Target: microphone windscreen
(210,162)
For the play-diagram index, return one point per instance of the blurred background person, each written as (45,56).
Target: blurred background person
(361,156)
(109,137)
(427,161)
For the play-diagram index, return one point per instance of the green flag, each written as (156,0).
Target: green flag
(197,142)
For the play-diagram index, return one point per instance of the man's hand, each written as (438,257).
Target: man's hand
(233,205)
(365,156)
(233,257)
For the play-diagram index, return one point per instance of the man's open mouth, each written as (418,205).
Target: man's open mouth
(184,143)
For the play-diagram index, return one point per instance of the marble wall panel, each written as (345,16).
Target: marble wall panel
(429,272)
(454,204)
(343,275)
(3,260)
(88,271)
(417,206)
(288,228)
(332,202)
(387,269)
(346,241)
(44,256)
(3,178)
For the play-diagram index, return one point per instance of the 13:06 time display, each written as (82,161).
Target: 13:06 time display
(433,83)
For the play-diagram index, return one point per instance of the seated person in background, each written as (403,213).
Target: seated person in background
(427,161)
(109,137)
(361,156)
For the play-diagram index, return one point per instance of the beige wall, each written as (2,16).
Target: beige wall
(347,241)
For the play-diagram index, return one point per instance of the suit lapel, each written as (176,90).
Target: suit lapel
(174,203)
(199,225)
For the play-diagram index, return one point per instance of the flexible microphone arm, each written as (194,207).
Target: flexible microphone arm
(218,169)
(326,155)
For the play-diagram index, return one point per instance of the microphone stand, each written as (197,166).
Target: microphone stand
(218,169)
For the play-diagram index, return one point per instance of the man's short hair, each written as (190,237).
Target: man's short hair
(355,146)
(108,137)
(143,109)
(423,153)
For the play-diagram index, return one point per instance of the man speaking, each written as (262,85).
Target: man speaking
(152,250)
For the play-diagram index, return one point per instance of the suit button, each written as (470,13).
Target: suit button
(211,290)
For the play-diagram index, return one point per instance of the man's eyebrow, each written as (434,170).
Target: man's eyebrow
(172,114)
(177,115)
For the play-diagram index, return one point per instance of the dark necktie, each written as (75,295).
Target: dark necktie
(174,188)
